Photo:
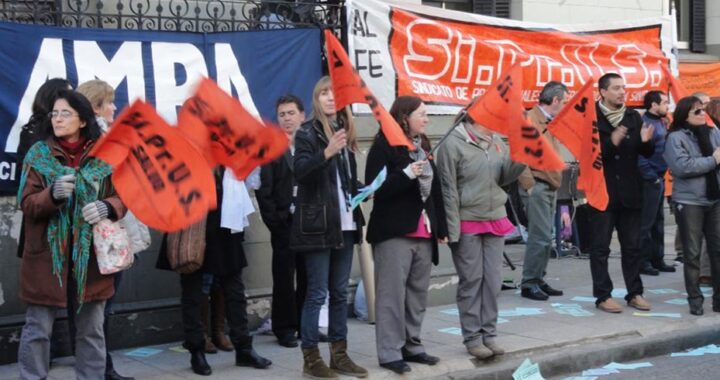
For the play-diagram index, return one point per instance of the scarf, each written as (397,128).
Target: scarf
(236,204)
(613,116)
(68,222)
(425,178)
(74,150)
(702,133)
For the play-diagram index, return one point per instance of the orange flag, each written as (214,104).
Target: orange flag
(227,133)
(679,91)
(576,127)
(157,172)
(500,109)
(349,88)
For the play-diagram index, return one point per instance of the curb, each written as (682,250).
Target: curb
(579,356)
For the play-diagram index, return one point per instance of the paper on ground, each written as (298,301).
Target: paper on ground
(709,349)
(664,315)
(527,371)
(663,291)
(572,309)
(599,372)
(521,311)
(677,301)
(143,352)
(451,330)
(583,299)
(615,365)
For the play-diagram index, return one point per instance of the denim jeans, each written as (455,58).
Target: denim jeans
(694,224)
(652,245)
(327,271)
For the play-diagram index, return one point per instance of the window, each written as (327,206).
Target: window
(496,8)
(690,17)
(456,5)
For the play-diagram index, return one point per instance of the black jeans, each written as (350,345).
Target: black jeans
(652,231)
(287,298)
(627,223)
(235,309)
(694,224)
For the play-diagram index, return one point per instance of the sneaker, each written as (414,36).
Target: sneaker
(609,306)
(496,350)
(639,303)
(480,351)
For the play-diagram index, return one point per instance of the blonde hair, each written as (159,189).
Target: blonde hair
(344,115)
(97,92)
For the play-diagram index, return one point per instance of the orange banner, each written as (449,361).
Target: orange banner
(227,133)
(678,91)
(701,77)
(349,88)
(576,128)
(448,62)
(160,175)
(500,109)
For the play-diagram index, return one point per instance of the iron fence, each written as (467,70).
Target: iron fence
(176,15)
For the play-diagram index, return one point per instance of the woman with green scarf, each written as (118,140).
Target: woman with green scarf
(62,193)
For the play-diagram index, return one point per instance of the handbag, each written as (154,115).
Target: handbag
(186,248)
(112,247)
(138,233)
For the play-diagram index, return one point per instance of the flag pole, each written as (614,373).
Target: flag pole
(463,116)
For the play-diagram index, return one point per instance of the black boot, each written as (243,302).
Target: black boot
(245,356)
(199,364)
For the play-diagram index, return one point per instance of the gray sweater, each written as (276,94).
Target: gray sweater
(472,174)
(688,166)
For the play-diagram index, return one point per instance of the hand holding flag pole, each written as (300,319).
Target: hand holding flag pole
(460,119)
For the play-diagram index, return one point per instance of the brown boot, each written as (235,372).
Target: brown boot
(204,312)
(217,303)
(314,366)
(341,363)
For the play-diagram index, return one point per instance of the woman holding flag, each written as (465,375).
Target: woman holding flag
(62,193)
(325,228)
(406,224)
(473,165)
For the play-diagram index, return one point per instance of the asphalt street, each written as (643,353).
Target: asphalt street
(705,367)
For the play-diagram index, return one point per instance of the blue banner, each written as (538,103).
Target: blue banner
(161,67)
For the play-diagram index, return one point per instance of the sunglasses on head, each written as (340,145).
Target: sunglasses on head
(698,111)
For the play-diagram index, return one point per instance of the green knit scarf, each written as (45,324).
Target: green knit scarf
(69,219)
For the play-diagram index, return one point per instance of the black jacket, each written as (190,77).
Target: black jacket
(622,176)
(316,222)
(397,203)
(275,194)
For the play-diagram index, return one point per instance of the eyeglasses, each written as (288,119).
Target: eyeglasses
(61,114)
(698,111)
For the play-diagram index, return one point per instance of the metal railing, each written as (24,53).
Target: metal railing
(176,15)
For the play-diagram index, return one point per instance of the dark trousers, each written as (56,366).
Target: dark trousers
(287,298)
(652,231)
(627,223)
(694,224)
(235,305)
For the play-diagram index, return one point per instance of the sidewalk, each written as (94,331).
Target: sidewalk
(564,334)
